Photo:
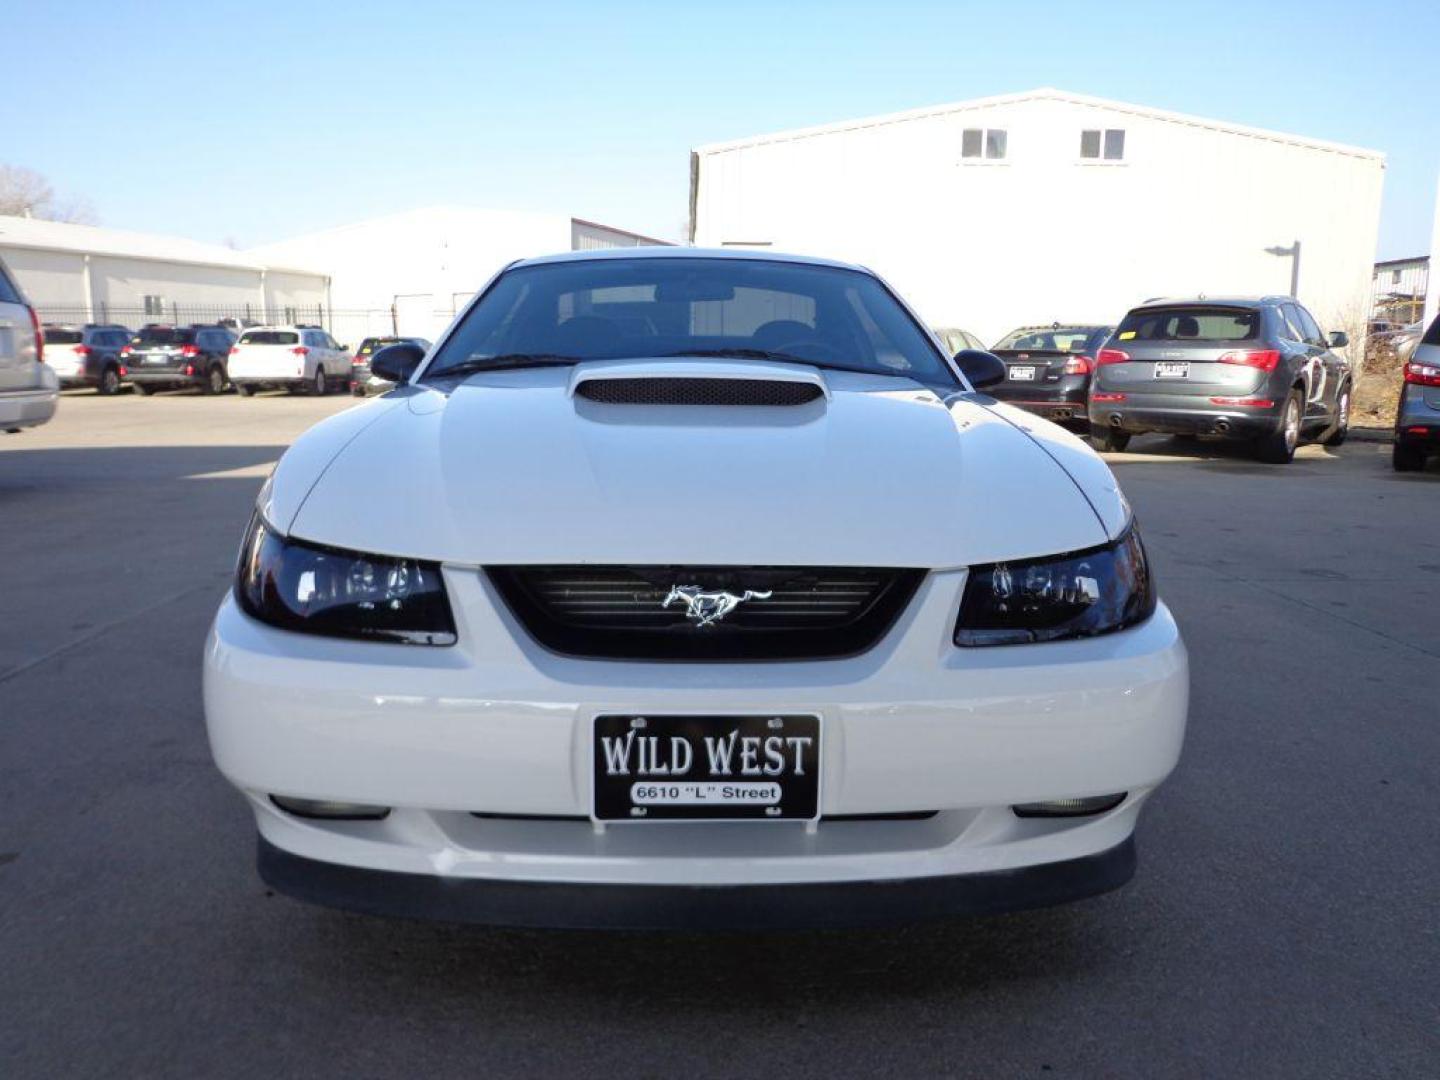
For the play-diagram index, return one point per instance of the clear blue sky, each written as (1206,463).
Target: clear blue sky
(258,121)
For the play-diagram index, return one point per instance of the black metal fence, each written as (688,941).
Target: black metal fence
(184,314)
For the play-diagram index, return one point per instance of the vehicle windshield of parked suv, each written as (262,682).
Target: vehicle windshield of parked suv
(1049,339)
(1190,323)
(269,337)
(63,337)
(163,335)
(611,309)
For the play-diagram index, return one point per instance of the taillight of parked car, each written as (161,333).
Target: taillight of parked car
(300,350)
(1263,359)
(1422,374)
(39,337)
(82,351)
(126,351)
(1078,365)
(234,349)
(1112,356)
(190,350)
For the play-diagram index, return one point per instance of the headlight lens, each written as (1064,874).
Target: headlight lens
(1080,594)
(321,590)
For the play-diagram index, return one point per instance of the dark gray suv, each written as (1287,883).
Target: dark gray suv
(1257,369)
(1417,419)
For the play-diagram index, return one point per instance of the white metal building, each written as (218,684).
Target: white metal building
(1399,288)
(80,273)
(409,273)
(1047,205)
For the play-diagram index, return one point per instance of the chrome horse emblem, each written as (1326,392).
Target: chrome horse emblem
(708,608)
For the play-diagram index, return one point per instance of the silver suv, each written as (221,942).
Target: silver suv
(29,389)
(1417,420)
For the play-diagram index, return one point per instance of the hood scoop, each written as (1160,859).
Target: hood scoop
(668,382)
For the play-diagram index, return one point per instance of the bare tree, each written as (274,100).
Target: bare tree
(25,193)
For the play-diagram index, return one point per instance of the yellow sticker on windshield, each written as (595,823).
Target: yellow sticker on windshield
(1127,335)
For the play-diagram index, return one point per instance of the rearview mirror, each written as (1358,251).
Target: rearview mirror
(1339,339)
(396,363)
(980,368)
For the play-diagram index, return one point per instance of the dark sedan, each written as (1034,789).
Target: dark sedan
(1048,369)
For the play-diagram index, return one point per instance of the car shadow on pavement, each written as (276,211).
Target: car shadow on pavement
(705,972)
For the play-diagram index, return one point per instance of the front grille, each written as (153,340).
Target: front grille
(691,391)
(782,613)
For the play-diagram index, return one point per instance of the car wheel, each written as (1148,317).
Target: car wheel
(1109,439)
(109,382)
(142,389)
(243,390)
(1342,420)
(1278,448)
(1407,458)
(214,381)
(320,384)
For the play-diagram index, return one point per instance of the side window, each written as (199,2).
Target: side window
(1310,327)
(8,293)
(1289,323)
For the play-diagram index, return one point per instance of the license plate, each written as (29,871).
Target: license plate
(1172,369)
(156,358)
(1022,374)
(706,768)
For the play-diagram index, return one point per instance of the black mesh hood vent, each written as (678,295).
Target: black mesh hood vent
(699,613)
(650,390)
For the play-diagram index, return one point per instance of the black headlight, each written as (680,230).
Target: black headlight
(322,590)
(1079,594)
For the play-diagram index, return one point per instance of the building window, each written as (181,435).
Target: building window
(1394,277)
(154,306)
(1112,140)
(986,142)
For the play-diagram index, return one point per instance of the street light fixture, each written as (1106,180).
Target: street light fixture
(1294,252)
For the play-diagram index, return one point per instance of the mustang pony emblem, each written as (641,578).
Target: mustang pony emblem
(708,608)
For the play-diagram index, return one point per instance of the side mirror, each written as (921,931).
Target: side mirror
(396,363)
(1339,339)
(982,369)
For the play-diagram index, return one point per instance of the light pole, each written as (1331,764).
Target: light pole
(1294,252)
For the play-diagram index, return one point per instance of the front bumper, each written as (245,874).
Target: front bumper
(685,907)
(1174,415)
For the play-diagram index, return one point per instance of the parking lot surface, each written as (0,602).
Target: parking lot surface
(1283,921)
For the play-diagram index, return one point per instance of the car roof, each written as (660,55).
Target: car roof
(1213,301)
(1063,326)
(636,253)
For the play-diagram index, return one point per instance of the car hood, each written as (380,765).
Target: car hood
(513,467)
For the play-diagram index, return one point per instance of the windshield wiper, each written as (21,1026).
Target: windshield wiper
(504,362)
(744,354)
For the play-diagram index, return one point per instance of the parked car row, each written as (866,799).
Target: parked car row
(1257,369)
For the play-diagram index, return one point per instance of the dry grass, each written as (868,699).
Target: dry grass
(1377,387)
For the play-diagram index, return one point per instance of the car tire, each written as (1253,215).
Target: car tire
(109,382)
(1278,447)
(243,390)
(214,381)
(1407,458)
(1337,434)
(1110,440)
(320,385)
(142,389)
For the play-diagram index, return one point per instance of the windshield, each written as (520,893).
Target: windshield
(622,309)
(269,337)
(1064,339)
(163,335)
(1190,323)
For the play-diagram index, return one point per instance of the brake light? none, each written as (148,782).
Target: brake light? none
(1112,356)
(1420,374)
(1261,359)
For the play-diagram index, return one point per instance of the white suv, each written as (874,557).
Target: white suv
(294,357)
(28,388)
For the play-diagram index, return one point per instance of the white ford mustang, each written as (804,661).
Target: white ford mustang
(679,588)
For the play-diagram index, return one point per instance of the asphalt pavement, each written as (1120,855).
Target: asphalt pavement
(1285,920)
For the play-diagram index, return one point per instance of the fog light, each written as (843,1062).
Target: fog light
(1093,804)
(325,808)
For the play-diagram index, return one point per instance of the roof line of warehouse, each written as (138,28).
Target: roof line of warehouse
(60,236)
(1043,93)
